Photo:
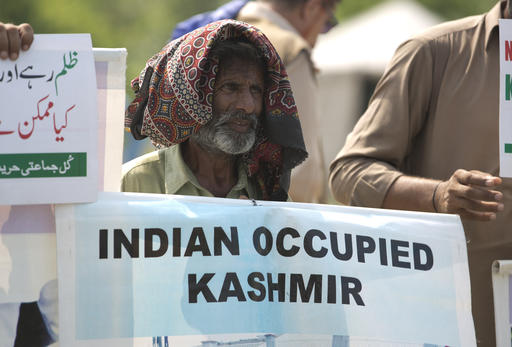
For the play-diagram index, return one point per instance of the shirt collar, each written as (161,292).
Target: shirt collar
(177,174)
(492,22)
(243,181)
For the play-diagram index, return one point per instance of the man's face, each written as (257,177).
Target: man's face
(237,105)
(319,19)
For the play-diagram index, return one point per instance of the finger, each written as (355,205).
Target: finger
(491,181)
(26,34)
(4,46)
(480,206)
(244,197)
(477,193)
(13,41)
(478,216)
(477,178)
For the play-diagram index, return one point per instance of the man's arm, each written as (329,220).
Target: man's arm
(366,172)
(377,148)
(14,38)
(470,194)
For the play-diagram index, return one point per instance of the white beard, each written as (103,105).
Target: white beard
(217,135)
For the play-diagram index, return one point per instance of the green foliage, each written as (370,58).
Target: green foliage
(448,9)
(453,9)
(142,26)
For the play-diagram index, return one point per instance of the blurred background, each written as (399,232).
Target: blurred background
(350,58)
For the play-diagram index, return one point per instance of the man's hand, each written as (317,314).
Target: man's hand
(13,38)
(470,194)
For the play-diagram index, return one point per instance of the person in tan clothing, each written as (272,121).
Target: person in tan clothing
(293,27)
(429,142)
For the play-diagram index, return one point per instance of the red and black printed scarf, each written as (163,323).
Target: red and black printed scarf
(174,98)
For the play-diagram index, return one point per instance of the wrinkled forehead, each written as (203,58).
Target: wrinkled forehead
(237,69)
(238,60)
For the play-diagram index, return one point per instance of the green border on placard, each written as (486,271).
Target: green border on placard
(39,165)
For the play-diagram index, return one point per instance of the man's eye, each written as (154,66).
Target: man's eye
(231,87)
(256,90)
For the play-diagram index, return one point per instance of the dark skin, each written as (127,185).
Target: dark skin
(239,86)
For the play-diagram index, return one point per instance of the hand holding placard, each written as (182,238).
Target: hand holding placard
(13,38)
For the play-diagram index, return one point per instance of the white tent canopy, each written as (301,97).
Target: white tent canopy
(367,42)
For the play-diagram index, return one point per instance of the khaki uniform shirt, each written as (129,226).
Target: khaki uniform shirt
(309,180)
(165,172)
(436,110)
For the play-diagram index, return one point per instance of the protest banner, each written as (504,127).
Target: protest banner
(142,265)
(502,293)
(48,127)
(505,97)
(28,266)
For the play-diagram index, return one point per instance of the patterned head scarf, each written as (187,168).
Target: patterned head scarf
(174,98)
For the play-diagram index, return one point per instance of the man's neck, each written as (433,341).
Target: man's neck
(215,171)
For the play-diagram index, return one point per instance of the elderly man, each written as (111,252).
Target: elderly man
(433,117)
(293,27)
(219,104)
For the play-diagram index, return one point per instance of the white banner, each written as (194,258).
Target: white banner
(48,123)
(140,265)
(505,97)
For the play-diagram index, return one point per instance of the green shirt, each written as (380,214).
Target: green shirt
(165,172)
